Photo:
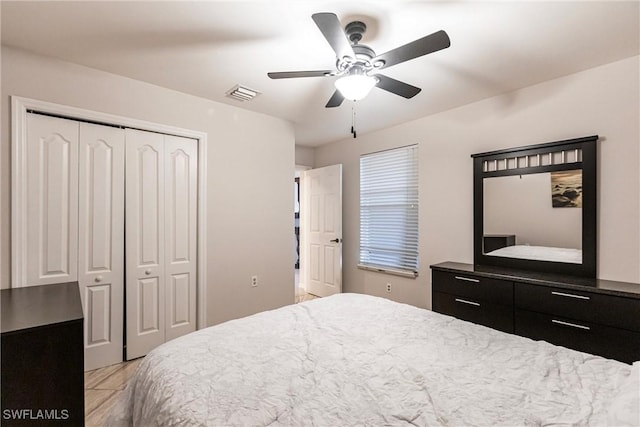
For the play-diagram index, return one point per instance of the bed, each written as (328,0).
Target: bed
(540,253)
(354,359)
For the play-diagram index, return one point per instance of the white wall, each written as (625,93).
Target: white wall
(305,156)
(603,101)
(250,169)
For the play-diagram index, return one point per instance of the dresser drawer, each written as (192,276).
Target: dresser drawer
(479,288)
(587,306)
(495,316)
(612,343)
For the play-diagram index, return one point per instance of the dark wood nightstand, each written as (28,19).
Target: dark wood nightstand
(491,242)
(42,356)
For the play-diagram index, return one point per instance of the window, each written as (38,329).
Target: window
(389,211)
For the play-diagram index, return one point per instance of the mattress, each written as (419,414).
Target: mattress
(540,253)
(360,360)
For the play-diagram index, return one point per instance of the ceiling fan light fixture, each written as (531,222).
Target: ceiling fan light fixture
(355,86)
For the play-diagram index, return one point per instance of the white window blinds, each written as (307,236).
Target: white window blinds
(389,210)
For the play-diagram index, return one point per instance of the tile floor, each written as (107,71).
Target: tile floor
(101,389)
(301,295)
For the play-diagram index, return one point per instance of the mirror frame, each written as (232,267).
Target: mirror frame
(588,164)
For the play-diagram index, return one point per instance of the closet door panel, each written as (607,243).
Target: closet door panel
(101,242)
(148,316)
(52,201)
(181,177)
(144,242)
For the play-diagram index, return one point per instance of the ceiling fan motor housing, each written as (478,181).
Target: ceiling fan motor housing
(363,52)
(355,30)
(364,55)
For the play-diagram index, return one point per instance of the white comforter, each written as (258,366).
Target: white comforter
(359,360)
(540,253)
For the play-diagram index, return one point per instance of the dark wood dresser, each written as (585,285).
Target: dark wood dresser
(42,356)
(594,316)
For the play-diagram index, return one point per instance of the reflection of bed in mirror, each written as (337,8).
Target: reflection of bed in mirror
(540,253)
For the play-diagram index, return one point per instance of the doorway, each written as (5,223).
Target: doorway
(299,287)
(320,229)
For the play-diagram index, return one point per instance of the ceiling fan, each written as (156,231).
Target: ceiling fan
(357,65)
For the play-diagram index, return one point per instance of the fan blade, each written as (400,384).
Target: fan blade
(295,74)
(335,100)
(331,29)
(428,44)
(397,87)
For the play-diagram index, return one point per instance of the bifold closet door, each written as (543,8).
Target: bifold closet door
(144,242)
(101,242)
(161,207)
(181,196)
(75,217)
(52,200)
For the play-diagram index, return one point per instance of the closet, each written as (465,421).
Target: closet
(114,209)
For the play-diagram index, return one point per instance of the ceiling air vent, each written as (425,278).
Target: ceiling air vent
(242,93)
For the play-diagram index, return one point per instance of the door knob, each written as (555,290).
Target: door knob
(147,272)
(98,279)
(336,240)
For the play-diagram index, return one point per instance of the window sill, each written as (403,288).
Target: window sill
(389,270)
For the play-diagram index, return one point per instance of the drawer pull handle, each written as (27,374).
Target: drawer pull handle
(464,301)
(562,294)
(573,325)
(467,279)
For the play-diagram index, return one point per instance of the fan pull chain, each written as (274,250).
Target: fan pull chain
(353,120)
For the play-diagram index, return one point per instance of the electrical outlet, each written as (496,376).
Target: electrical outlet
(254,281)
(389,287)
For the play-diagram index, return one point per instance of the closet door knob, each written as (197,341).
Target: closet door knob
(147,272)
(98,279)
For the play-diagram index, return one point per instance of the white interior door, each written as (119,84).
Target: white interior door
(52,200)
(181,197)
(322,234)
(101,242)
(144,245)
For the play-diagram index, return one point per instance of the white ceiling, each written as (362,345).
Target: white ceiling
(205,48)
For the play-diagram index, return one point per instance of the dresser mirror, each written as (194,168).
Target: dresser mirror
(535,207)
(523,218)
